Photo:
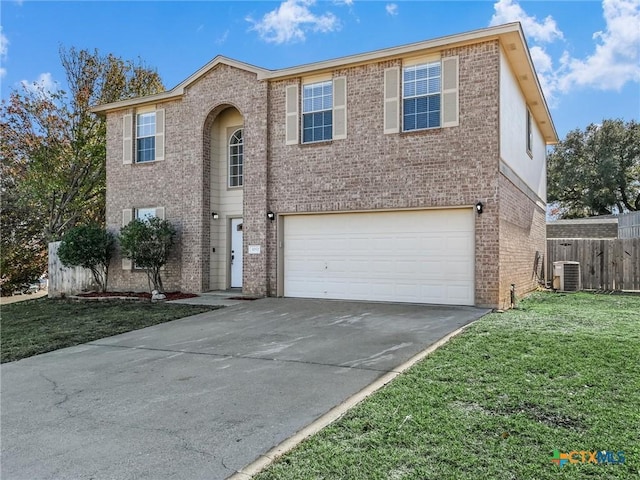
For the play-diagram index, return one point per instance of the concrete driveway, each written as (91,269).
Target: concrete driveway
(201,397)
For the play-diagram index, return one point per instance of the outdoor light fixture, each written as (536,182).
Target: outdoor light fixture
(479,207)
(271,216)
(214,215)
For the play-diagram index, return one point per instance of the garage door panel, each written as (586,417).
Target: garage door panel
(433,246)
(302,266)
(402,268)
(416,256)
(457,243)
(458,269)
(457,293)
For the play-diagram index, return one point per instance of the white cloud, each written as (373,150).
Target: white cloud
(222,38)
(545,31)
(614,62)
(546,75)
(44,84)
(392,9)
(291,21)
(4,51)
(4,44)
(616,58)
(507,11)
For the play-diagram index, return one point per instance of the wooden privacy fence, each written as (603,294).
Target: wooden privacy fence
(605,264)
(629,225)
(64,280)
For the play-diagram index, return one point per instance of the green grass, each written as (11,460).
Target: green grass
(560,372)
(38,326)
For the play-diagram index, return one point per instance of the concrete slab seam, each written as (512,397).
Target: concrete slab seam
(229,356)
(338,411)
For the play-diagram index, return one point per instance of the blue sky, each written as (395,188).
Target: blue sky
(587,53)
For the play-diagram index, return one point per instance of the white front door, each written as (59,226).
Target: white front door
(236,252)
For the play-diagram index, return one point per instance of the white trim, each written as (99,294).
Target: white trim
(323,77)
(234,131)
(420,59)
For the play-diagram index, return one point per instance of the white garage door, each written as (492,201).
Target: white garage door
(424,256)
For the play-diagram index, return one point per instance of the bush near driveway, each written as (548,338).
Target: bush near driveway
(38,326)
(561,372)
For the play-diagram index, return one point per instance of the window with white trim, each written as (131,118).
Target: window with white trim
(146,137)
(145,213)
(317,112)
(236,158)
(421,92)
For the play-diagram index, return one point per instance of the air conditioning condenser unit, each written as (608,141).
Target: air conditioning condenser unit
(566,276)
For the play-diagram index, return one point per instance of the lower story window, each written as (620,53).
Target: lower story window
(145,213)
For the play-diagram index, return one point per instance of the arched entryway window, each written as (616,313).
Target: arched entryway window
(236,154)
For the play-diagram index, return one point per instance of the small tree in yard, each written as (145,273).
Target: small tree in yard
(88,246)
(148,244)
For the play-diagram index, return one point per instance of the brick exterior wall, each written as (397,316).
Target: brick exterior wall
(181,182)
(522,240)
(144,185)
(439,168)
(583,229)
(369,170)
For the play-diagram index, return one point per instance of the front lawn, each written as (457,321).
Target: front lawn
(38,326)
(561,372)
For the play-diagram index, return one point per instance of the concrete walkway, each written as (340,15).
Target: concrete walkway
(22,297)
(202,397)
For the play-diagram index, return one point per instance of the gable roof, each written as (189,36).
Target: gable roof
(510,36)
(179,89)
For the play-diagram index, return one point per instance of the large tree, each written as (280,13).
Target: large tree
(52,149)
(596,171)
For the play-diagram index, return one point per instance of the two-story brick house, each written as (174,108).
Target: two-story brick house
(411,174)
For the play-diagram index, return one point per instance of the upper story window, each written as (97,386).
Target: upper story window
(143,136)
(236,157)
(317,112)
(529,133)
(421,96)
(146,137)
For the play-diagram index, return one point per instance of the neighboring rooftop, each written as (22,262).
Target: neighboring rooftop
(604,226)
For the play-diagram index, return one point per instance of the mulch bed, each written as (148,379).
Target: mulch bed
(140,295)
